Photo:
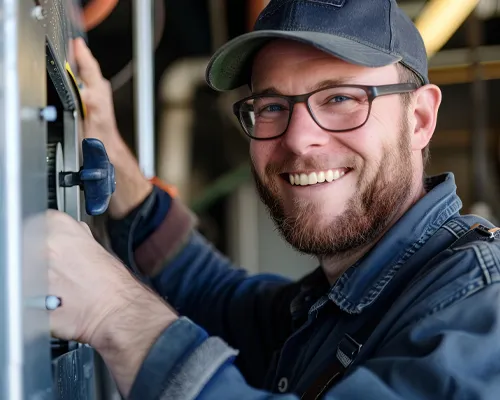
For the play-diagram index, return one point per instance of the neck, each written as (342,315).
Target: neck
(336,264)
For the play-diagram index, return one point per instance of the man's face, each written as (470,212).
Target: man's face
(371,166)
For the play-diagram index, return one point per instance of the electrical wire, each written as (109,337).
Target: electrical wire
(96,11)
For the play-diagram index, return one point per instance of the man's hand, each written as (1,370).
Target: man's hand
(132,187)
(102,303)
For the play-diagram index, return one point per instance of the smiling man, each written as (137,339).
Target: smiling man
(405,302)
(338,165)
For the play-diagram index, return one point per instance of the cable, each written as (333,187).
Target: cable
(97,11)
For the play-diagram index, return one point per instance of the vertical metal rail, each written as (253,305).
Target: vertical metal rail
(11,213)
(24,324)
(144,85)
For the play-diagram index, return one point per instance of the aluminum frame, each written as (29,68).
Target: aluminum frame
(25,337)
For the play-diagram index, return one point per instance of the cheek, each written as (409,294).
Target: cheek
(367,144)
(260,153)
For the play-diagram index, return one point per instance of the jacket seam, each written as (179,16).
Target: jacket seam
(472,287)
(454,298)
(486,259)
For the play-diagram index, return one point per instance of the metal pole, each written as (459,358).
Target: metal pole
(12,209)
(143,85)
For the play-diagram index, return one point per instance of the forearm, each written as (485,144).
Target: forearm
(125,339)
(132,187)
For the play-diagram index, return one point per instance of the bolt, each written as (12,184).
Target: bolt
(52,302)
(48,113)
(38,13)
(49,302)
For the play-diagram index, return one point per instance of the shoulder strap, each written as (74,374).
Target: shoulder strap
(349,348)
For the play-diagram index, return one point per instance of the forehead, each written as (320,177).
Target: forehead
(286,62)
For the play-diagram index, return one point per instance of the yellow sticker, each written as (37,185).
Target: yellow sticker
(83,108)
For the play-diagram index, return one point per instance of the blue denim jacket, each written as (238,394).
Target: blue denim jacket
(261,337)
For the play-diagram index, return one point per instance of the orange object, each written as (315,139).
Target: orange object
(254,8)
(170,189)
(97,11)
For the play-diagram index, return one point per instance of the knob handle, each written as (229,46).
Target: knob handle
(96,177)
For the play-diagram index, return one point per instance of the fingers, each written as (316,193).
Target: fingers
(88,67)
(58,220)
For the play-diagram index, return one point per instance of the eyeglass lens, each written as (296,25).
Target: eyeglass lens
(340,108)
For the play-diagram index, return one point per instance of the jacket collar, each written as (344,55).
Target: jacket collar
(362,284)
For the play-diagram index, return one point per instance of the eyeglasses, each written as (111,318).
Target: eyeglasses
(339,108)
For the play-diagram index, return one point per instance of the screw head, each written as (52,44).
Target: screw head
(52,302)
(48,113)
(38,13)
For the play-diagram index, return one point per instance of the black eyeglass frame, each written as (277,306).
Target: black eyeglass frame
(372,93)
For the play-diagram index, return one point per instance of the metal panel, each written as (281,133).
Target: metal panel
(72,162)
(24,338)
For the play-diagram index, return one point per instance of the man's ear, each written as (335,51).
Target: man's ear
(425,103)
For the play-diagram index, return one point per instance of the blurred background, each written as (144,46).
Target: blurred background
(198,145)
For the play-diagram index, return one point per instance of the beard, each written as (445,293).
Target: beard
(367,213)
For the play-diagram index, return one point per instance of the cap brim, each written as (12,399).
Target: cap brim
(230,66)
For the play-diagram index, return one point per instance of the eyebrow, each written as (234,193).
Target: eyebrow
(272,90)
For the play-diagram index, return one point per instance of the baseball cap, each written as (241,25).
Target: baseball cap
(371,33)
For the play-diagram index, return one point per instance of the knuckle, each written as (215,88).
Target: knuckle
(86,227)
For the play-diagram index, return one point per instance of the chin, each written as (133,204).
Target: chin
(320,210)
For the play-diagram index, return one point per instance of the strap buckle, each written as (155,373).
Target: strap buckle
(347,350)
(490,234)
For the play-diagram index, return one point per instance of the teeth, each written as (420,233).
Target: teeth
(304,180)
(321,177)
(316,177)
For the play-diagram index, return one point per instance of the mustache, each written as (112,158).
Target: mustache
(316,163)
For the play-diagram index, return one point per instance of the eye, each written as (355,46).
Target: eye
(339,99)
(271,108)
(268,110)
(274,107)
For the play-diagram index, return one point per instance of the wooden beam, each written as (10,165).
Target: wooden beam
(463,73)
(450,139)
(458,139)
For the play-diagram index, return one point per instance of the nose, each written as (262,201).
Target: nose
(303,134)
